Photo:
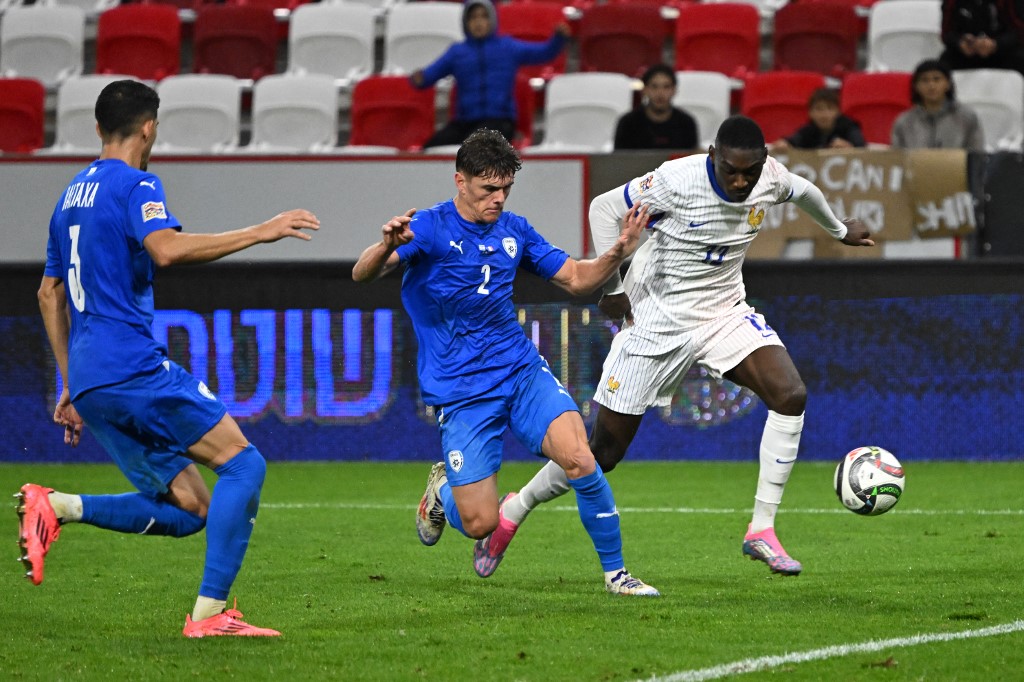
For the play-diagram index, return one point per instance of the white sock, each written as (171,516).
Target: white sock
(547,484)
(608,575)
(206,607)
(779,444)
(67,508)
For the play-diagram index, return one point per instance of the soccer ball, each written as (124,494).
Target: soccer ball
(869,481)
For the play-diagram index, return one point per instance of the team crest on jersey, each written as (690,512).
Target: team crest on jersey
(754,219)
(455,459)
(510,246)
(646,183)
(207,393)
(613,384)
(153,209)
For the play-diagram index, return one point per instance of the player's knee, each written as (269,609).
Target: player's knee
(579,463)
(248,465)
(792,400)
(607,452)
(480,525)
(188,524)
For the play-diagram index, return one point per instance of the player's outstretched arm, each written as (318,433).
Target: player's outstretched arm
(170,247)
(857,233)
(809,198)
(380,258)
(582,277)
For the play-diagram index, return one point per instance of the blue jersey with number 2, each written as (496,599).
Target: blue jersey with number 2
(95,247)
(458,291)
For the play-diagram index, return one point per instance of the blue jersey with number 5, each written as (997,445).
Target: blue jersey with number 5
(458,291)
(95,247)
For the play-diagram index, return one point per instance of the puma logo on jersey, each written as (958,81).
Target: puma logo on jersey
(754,219)
(457,246)
(148,183)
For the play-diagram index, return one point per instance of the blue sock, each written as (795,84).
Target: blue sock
(450,510)
(229,523)
(137,513)
(596,505)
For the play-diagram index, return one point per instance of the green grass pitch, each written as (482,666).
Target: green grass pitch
(334,564)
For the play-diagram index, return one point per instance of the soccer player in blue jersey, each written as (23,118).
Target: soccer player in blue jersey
(110,229)
(476,367)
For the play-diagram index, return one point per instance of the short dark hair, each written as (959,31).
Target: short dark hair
(923,68)
(739,132)
(662,69)
(825,95)
(125,105)
(486,153)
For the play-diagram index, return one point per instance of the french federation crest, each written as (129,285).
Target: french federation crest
(510,246)
(455,460)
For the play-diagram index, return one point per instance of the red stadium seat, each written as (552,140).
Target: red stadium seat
(860,7)
(534,21)
(22,103)
(621,38)
(777,100)
(816,36)
(388,111)
(236,40)
(139,40)
(875,100)
(525,111)
(722,37)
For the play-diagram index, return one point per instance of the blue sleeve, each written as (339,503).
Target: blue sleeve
(440,68)
(529,52)
(539,256)
(53,264)
(422,225)
(147,208)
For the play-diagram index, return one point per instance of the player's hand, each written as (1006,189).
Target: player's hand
(632,225)
(67,416)
(617,307)
(289,224)
(396,231)
(857,233)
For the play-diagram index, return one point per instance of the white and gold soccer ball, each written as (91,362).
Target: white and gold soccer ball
(869,480)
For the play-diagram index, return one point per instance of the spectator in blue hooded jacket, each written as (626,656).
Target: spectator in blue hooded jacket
(484,66)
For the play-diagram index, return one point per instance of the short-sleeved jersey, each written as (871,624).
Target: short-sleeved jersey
(457,289)
(95,246)
(689,270)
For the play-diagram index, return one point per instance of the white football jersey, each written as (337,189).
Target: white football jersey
(689,270)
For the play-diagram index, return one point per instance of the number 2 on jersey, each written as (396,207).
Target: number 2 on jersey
(75,272)
(487,278)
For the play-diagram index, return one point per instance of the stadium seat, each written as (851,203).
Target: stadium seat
(235,40)
(582,110)
(140,40)
(722,37)
(388,112)
(997,96)
(621,38)
(21,115)
(293,113)
(765,8)
(417,33)
(875,100)
(525,111)
(534,21)
(92,8)
(903,33)
(707,96)
(42,43)
(332,39)
(76,114)
(199,113)
(816,36)
(777,100)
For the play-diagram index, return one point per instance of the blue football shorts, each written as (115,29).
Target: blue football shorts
(146,423)
(472,430)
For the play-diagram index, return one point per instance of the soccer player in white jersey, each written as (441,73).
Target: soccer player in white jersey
(110,229)
(683,303)
(477,367)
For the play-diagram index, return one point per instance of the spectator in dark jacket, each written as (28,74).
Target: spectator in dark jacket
(827,127)
(484,66)
(656,124)
(980,34)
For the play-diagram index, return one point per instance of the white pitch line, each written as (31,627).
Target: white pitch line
(653,510)
(751,665)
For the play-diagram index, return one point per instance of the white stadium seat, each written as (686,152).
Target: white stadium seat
(903,33)
(581,111)
(199,113)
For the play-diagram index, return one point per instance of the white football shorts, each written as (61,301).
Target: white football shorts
(643,370)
